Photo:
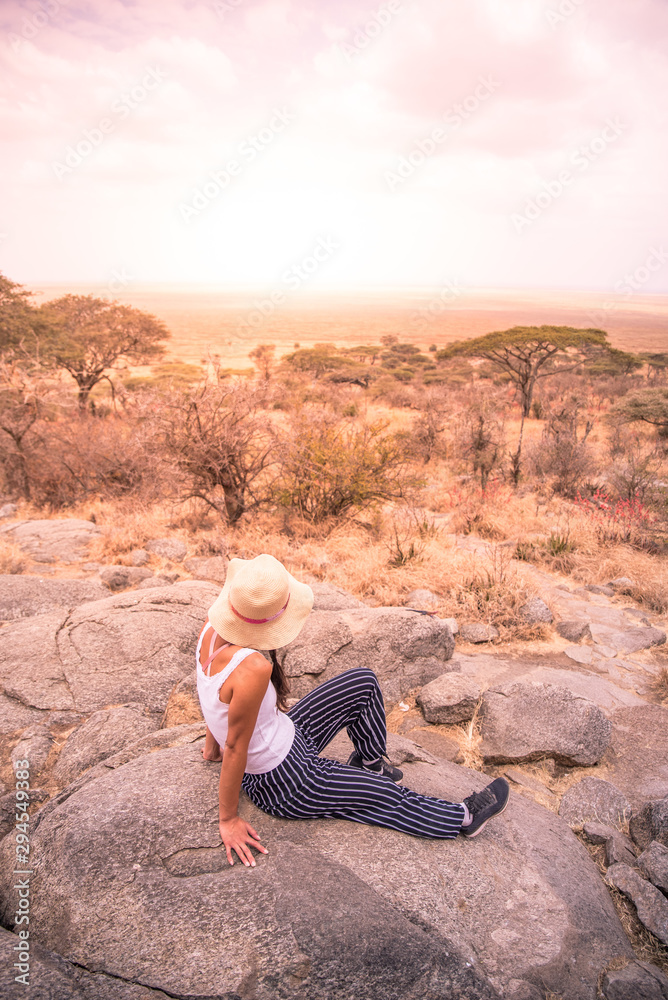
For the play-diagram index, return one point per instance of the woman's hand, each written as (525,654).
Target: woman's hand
(239,836)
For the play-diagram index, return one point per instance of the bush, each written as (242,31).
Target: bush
(561,459)
(330,468)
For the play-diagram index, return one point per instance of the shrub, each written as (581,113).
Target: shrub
(561,458)
(331,469)
(620,520)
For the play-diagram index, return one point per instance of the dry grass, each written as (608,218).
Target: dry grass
(660,685)
(12,560)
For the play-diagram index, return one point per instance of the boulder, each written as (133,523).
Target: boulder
(653,863)
(139,557)
(8,510)
(34,746)
(122,577)
(213,568)
(650,823)
(132,647)
(478,632)
(574,631)
(593,799)
(536,612)
(167,548)
(329,597)
(161,580)
(529,721)
(650,904)
(619,850)
(405,649)
(598,833)
(102,734)
(632,640)
(621,583)
(58,540)
(638,758)
(422,599)
(23,596)
(336,909)
(449,698)
(595,588)
(637,981)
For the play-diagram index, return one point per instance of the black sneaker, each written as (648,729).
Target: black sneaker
(380,767)
(483,805)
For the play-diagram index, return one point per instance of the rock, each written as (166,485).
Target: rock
(405,649)
(638,614)
(139,557)
(619,850)
(212,568)
(594,799)
(635,639)
(58,540)
(650,823)
(183,705)
(532,785)
(595,588)
(452,625)
(640,774)
(23,596)
(574,631)
(651,905)
(131,647)
(328,597)
(52,978)
(422,599)
(653,863)
(34,746)
(404,751)
(529,721)
(621,583)
(8,808)
(168,548)
(598,833)
(122,577)
(581,654)
(638,981)
(478,633)
(162,580)
(8,510)
(323,915)
(536,611)
(449,698)
(103,733)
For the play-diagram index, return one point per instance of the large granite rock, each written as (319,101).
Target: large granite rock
(639,752)
(167,548)
(595,799)
(102,734)
(637,981)
(212,568)
(329,597)
(24,596)
(58,540)
(650,823)
(132,647)
(449,698)
(650,904)
(653,863)
(530,721)
(405,649)
(336,909)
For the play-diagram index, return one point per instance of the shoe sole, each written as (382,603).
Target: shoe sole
(482,826)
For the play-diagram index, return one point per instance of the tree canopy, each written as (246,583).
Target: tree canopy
(648,406)
(527,353)
(89,336)
(18,320)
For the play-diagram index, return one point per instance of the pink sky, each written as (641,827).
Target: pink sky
(492,142)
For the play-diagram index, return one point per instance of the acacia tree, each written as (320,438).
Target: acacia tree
(647,406)
(264,358)
(88,337)
(526,354)
(20,327)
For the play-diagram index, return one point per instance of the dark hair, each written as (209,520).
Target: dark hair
(280,682)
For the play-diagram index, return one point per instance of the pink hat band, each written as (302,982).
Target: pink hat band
(260,621)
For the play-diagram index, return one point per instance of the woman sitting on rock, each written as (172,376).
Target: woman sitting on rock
(273,754)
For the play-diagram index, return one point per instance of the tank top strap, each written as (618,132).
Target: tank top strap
(240,655)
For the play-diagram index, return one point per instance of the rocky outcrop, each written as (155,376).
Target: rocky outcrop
(133,647)
(323,914)
(122,577)
(529,721)
(650,823)
(595,799)
(637,981)
(25,596)
(653,863)
(651,906)
(449,698)
(59,540)
(478,632)
(167,548)
(103,734)
(404,648)
(213,568)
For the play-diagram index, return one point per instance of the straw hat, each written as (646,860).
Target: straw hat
(261,606)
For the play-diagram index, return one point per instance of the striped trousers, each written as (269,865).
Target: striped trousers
(305,785)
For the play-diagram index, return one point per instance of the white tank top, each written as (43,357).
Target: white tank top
(274,730)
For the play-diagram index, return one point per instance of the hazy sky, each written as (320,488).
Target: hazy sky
(311,144)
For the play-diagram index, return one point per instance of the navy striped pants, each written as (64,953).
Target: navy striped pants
(305,785)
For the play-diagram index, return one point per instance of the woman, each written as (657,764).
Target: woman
(273,754)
